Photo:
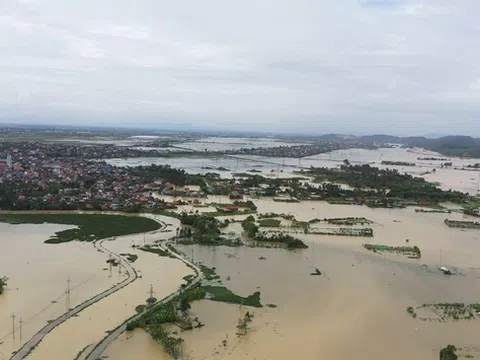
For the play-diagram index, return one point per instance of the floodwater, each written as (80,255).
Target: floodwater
(38,278)
(458,177)
(356,309)
(234,143)
(163,274)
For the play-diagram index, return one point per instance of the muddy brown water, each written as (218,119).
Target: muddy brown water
(356,309)
(38,275)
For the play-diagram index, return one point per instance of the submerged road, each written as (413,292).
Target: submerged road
(38,337)
(100,348)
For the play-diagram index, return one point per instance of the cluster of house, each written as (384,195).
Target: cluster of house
(36,181)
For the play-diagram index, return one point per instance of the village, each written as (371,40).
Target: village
(35,177)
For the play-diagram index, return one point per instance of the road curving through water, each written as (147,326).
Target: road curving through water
(132,275)
(102,346)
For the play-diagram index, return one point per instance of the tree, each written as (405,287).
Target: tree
(184,305)
(449,353)
(242,325)
(151,301)
(2,285)
(250,228)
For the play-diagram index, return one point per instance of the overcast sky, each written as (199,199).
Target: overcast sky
(345,66)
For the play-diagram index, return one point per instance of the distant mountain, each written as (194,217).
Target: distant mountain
(381,138)
(453,145)
(333,137)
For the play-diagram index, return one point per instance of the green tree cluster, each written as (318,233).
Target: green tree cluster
(448,353)
(2,285)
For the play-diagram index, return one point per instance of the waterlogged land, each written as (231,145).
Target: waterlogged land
(274,248)
(356,296)
(38,278)
(93,323)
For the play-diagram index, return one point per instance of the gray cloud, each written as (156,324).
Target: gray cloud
(345,66)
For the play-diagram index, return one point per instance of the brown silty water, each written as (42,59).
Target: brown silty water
(356,309)
(163,274)
(38,278)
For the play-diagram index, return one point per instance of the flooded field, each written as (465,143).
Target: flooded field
(355,309)
(456,177)
(38,278)
(234,143)
(163,274)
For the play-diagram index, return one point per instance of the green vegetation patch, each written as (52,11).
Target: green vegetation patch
(156,250)
(342,231)
(209,273)
(412,252)
(175,311)
(449,353)
(450,311)
(390,186)
(221,293)
(3,283)
(90,226)
(130,257)
(411,311)
(269,223)
(343,221)
(206,231)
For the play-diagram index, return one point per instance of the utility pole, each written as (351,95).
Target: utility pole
(119,265)
(67,297)
(110,265)
(21,325)
(441,256)
(13,325)
(143,239)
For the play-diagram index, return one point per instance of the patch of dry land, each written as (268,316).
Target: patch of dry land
(355,309)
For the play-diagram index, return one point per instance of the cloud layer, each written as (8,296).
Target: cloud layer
(355,66)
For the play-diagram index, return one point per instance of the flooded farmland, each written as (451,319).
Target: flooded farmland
(355,309)
(456,177)
(38,278)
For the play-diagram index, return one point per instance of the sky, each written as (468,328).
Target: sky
(402,67)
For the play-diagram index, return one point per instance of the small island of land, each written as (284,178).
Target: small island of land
(90,227)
